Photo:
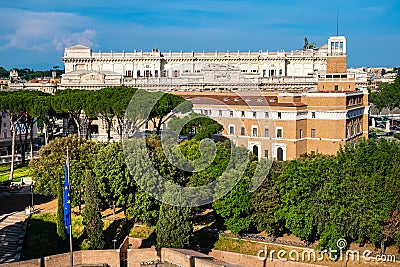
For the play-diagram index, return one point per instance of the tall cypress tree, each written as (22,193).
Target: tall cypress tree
(174,227)
(91,213)
(60,210)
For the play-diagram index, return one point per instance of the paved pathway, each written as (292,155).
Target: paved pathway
(12,232)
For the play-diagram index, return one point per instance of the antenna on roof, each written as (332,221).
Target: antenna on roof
(337,23)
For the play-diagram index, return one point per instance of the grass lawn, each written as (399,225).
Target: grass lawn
(142,231)
(20,171)
(41,237)
(376,131)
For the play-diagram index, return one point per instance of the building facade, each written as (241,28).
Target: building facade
(286,125)
(297,70)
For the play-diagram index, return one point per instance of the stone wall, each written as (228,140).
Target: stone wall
(253,261)
(28,263)
(137,256)
(199,262)
(110,256)
(179,257)
(62,260)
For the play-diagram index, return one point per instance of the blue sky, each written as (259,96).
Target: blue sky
(34,33)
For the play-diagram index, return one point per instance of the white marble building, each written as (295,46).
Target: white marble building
(232,70)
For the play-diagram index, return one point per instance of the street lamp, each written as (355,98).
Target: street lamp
(33,206)
(114,240)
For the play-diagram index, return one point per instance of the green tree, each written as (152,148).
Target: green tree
(14,105)
(166,107)
(266,202)
(47,169)
(234,207)
(116,186)
(387,95)
(77,104)
(174,227)
(104,107)
(88,152)
(91,213)
(302,181)
(4,73)
(195,124)
(60,209)
(120,100)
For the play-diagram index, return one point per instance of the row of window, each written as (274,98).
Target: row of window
(354,129)
(254,132)
(243,114)
(354,101)
(176,73)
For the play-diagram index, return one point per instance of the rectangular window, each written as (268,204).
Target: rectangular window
(279,133)
(242,131)
(138,73)
(156,73)
(336,87)
(220,113)
(254,115)
(313,115)
(255,132)
(231,113)
(176,73)
(266,132)
(266,115)
(266,154)
(164,73)
(231,130)
(5,135)
(279,115)
(243,114)
(280,72)
(312,133)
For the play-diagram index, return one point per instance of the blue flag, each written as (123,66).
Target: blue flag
(67,199)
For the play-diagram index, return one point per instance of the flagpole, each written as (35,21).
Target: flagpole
(70,225)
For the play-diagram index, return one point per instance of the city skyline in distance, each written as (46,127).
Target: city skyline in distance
(34,34)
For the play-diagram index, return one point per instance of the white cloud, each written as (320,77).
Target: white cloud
(85,38)
(29,30)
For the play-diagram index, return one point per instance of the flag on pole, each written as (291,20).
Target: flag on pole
(67,200)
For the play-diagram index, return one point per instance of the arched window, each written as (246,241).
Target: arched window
(279,153)
(255,150)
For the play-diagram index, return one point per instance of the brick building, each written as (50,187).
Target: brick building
(285,125)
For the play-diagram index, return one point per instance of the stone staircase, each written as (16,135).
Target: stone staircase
(12,232)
